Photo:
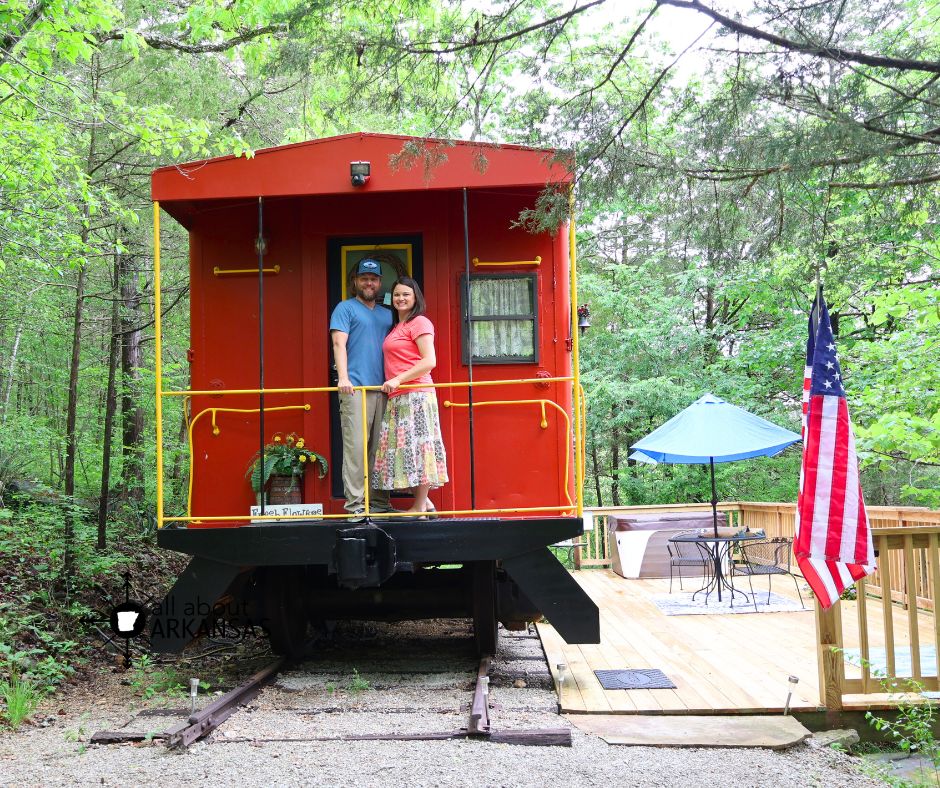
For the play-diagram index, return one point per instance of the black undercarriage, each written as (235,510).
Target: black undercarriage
(286,576)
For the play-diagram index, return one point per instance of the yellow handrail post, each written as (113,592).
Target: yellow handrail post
(158,363)
(576,370)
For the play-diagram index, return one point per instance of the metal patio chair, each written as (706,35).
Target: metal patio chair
(765,559)
(688,554)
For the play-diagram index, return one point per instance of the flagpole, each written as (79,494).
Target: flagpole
(818,301)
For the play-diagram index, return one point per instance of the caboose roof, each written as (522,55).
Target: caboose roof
(322,167)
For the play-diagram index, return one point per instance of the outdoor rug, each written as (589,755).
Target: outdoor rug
(681,604)
(639,678)
(878,660)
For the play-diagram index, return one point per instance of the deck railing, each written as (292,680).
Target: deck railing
(880,634)
(776,519)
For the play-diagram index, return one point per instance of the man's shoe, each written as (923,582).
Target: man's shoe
(358,516)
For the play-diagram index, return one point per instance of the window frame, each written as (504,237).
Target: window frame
(466,319)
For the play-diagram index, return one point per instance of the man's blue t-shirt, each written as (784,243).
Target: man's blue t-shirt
(367,329)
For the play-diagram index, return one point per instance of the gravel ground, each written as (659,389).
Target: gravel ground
(408,678)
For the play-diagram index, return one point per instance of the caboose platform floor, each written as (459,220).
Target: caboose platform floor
(720,664)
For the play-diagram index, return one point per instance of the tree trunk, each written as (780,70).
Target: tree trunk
(614,463)
(10,375)
(72,407)
(132,415)
(109,408)
(597,476)
(70,418)
(71,446)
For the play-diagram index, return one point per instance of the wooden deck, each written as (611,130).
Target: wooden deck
(721,664)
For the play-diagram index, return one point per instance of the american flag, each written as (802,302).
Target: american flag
(833,539)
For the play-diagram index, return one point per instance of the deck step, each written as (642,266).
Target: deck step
(686,730)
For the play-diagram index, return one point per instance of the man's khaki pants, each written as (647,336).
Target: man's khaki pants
(350,418)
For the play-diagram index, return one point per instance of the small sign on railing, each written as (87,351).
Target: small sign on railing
(301,511)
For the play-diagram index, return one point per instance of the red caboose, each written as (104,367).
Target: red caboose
(273,242)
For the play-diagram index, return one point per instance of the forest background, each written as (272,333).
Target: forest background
(720,171)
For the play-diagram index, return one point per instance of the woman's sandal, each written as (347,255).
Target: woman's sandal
(431,511)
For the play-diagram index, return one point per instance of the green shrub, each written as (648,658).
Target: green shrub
(20,698)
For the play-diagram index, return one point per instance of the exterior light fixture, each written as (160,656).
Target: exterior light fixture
(584,318)
(359,172)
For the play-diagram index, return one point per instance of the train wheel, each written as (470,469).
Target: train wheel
(485,626)
(285,611)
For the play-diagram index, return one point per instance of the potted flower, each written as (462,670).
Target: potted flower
(279,467)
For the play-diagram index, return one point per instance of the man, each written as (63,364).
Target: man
(358,327)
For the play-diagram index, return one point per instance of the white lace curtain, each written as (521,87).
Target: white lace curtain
(502,298)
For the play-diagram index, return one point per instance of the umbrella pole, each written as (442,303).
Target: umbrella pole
(711,465)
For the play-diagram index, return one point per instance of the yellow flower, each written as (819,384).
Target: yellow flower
(277,438)
(300,443)
(302,458)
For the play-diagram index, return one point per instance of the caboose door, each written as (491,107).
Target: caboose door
(400,255)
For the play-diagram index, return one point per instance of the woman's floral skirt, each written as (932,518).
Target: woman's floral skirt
(410,450)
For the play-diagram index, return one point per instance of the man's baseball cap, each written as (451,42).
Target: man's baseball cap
(369,266)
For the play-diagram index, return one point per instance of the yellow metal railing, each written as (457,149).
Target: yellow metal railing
(158,362)
(543,424)
(575,350)
(218,271)
(484,264)
(577,401)
(215,431)
(564,508)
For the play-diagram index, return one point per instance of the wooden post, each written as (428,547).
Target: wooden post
(831,665)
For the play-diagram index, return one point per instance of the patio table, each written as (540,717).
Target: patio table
(719,550)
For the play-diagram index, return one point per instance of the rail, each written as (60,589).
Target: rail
(775,519)
(567,506)
(880,642)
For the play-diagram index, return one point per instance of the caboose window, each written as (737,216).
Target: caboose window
(503,319)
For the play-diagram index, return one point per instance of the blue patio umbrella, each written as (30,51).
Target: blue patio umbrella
(711,430)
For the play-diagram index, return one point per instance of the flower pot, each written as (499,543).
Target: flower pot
(284,490)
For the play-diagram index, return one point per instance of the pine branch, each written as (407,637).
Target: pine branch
(817,50)
(478,42)
(156,41)
(933,178)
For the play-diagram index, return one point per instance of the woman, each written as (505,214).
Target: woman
(410,452)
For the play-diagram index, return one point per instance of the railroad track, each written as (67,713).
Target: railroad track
(408,682)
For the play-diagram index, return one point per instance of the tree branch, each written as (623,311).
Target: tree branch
(824,51)
(886,184)
(475,42)
(902,458)
(619,59)
(11,39)
(156,41)
(646,97)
